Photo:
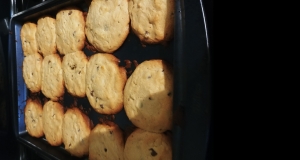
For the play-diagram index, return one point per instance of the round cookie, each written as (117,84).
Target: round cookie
(152,21)
(106,142)
(53,114)
(28,40)
(45,36)
(32,72)
(148,96)
(105,82)
(76,130)
(74,71)
(107,24)
(70,35)
(33,117)
(142,144)
(52,77)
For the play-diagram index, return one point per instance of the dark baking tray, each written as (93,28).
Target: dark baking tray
(191,79)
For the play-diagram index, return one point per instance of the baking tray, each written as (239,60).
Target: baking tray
(191,104)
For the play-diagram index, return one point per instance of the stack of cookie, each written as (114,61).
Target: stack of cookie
(107,26)
(52,79)
(44,70)
(42,66)
(107,22)
(148,97)
(105,81)
(55,63)
(32,63)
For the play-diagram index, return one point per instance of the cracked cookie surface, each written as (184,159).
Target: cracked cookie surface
(29,45)
(152,20)
(76,130)
(33,117)
(70,35)
(32,72)
(53,113)
(148,96)
(52,77)
(106,142)
(107,24)
(46,36)
(105,81)
(74,71)
(142,144)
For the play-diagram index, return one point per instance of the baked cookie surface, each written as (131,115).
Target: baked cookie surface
(52,77)
(152,21)
(33,117)
(76,130)
(148,96)
(28,40)
(105,81)
(70,35)
(74,71)
(53,114)
(106,142)
(32,72)
(46,36)
(107,24)
(147,145)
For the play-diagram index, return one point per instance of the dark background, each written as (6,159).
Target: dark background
(8,144)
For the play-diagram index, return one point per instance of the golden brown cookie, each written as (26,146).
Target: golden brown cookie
(106,142)
(33,117)
(152,21)
(46,36)
(76,131)
(107,24)
(70,35)
(53,114)
(52,77)
(32,72)
(28,40)
(74,71)
(105,81)
(148,96)
(142,144)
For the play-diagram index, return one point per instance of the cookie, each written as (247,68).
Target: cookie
(76,130)
(106,142)
(52,77)
(28,40)
(142,144)
(152,21)
(70,35)
(148,96)
(53,114)
(74,71)
(33,117)
(32,72)
(45,36)
(105,82)
(107,24)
